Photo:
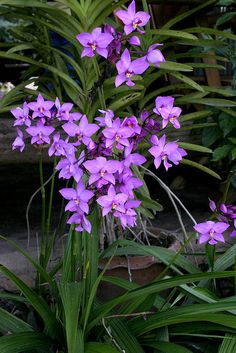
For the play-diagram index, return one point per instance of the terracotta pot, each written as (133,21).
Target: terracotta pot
(138,269)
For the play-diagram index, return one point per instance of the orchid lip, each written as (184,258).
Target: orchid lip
(212,234)
(128,74)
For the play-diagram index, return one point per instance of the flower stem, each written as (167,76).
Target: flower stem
(100,88)
(43,196)
(50,203)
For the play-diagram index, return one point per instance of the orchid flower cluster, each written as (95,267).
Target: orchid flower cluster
(100,157)
(212,232)
(108,44)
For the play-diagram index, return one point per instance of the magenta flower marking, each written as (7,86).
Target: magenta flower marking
(117,134)
(40,133)
(41,108)
(166,152)
(83,131)
(102,171)
(21,115)
(127,68)
(96,41)
(81,221)
(211,232)
(132,19)
(18,143)
(78,199)
(112,201)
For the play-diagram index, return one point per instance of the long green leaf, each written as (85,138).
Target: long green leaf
(186,14)
(155,287)
(51,325)
(96,347)
(193,147)
(171,33)
(10,323)
(187,80)
(26,342)
(194,312)
(228,345)
(201,167)
(167,347)
(71,294)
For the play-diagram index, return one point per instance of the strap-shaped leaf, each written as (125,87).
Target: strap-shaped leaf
(52,327)
(201,167)
(26,342)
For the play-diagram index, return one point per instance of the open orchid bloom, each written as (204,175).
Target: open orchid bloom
(166,152)
(133,20)
(127,68)
(211,232)
(95,42)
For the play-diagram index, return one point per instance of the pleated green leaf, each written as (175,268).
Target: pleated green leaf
(12,324)
(52,327)
(25,342)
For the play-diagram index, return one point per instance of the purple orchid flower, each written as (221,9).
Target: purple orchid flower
(96,41)
(128,218)
(83,131)
(78,199)
(21,115)
(58,147)
(129,183)
(132,123)
(154,56)
(81,221)
(102,171)
(75,116)
(165,152)
(18,143)
(107,119)
(117,134)
(63,111)
(112,201)
(164,107)
(41,108)
(133,20)
(115,46)
(131,158)
(70,166)
(211,232)
(40,133)
(127,68)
